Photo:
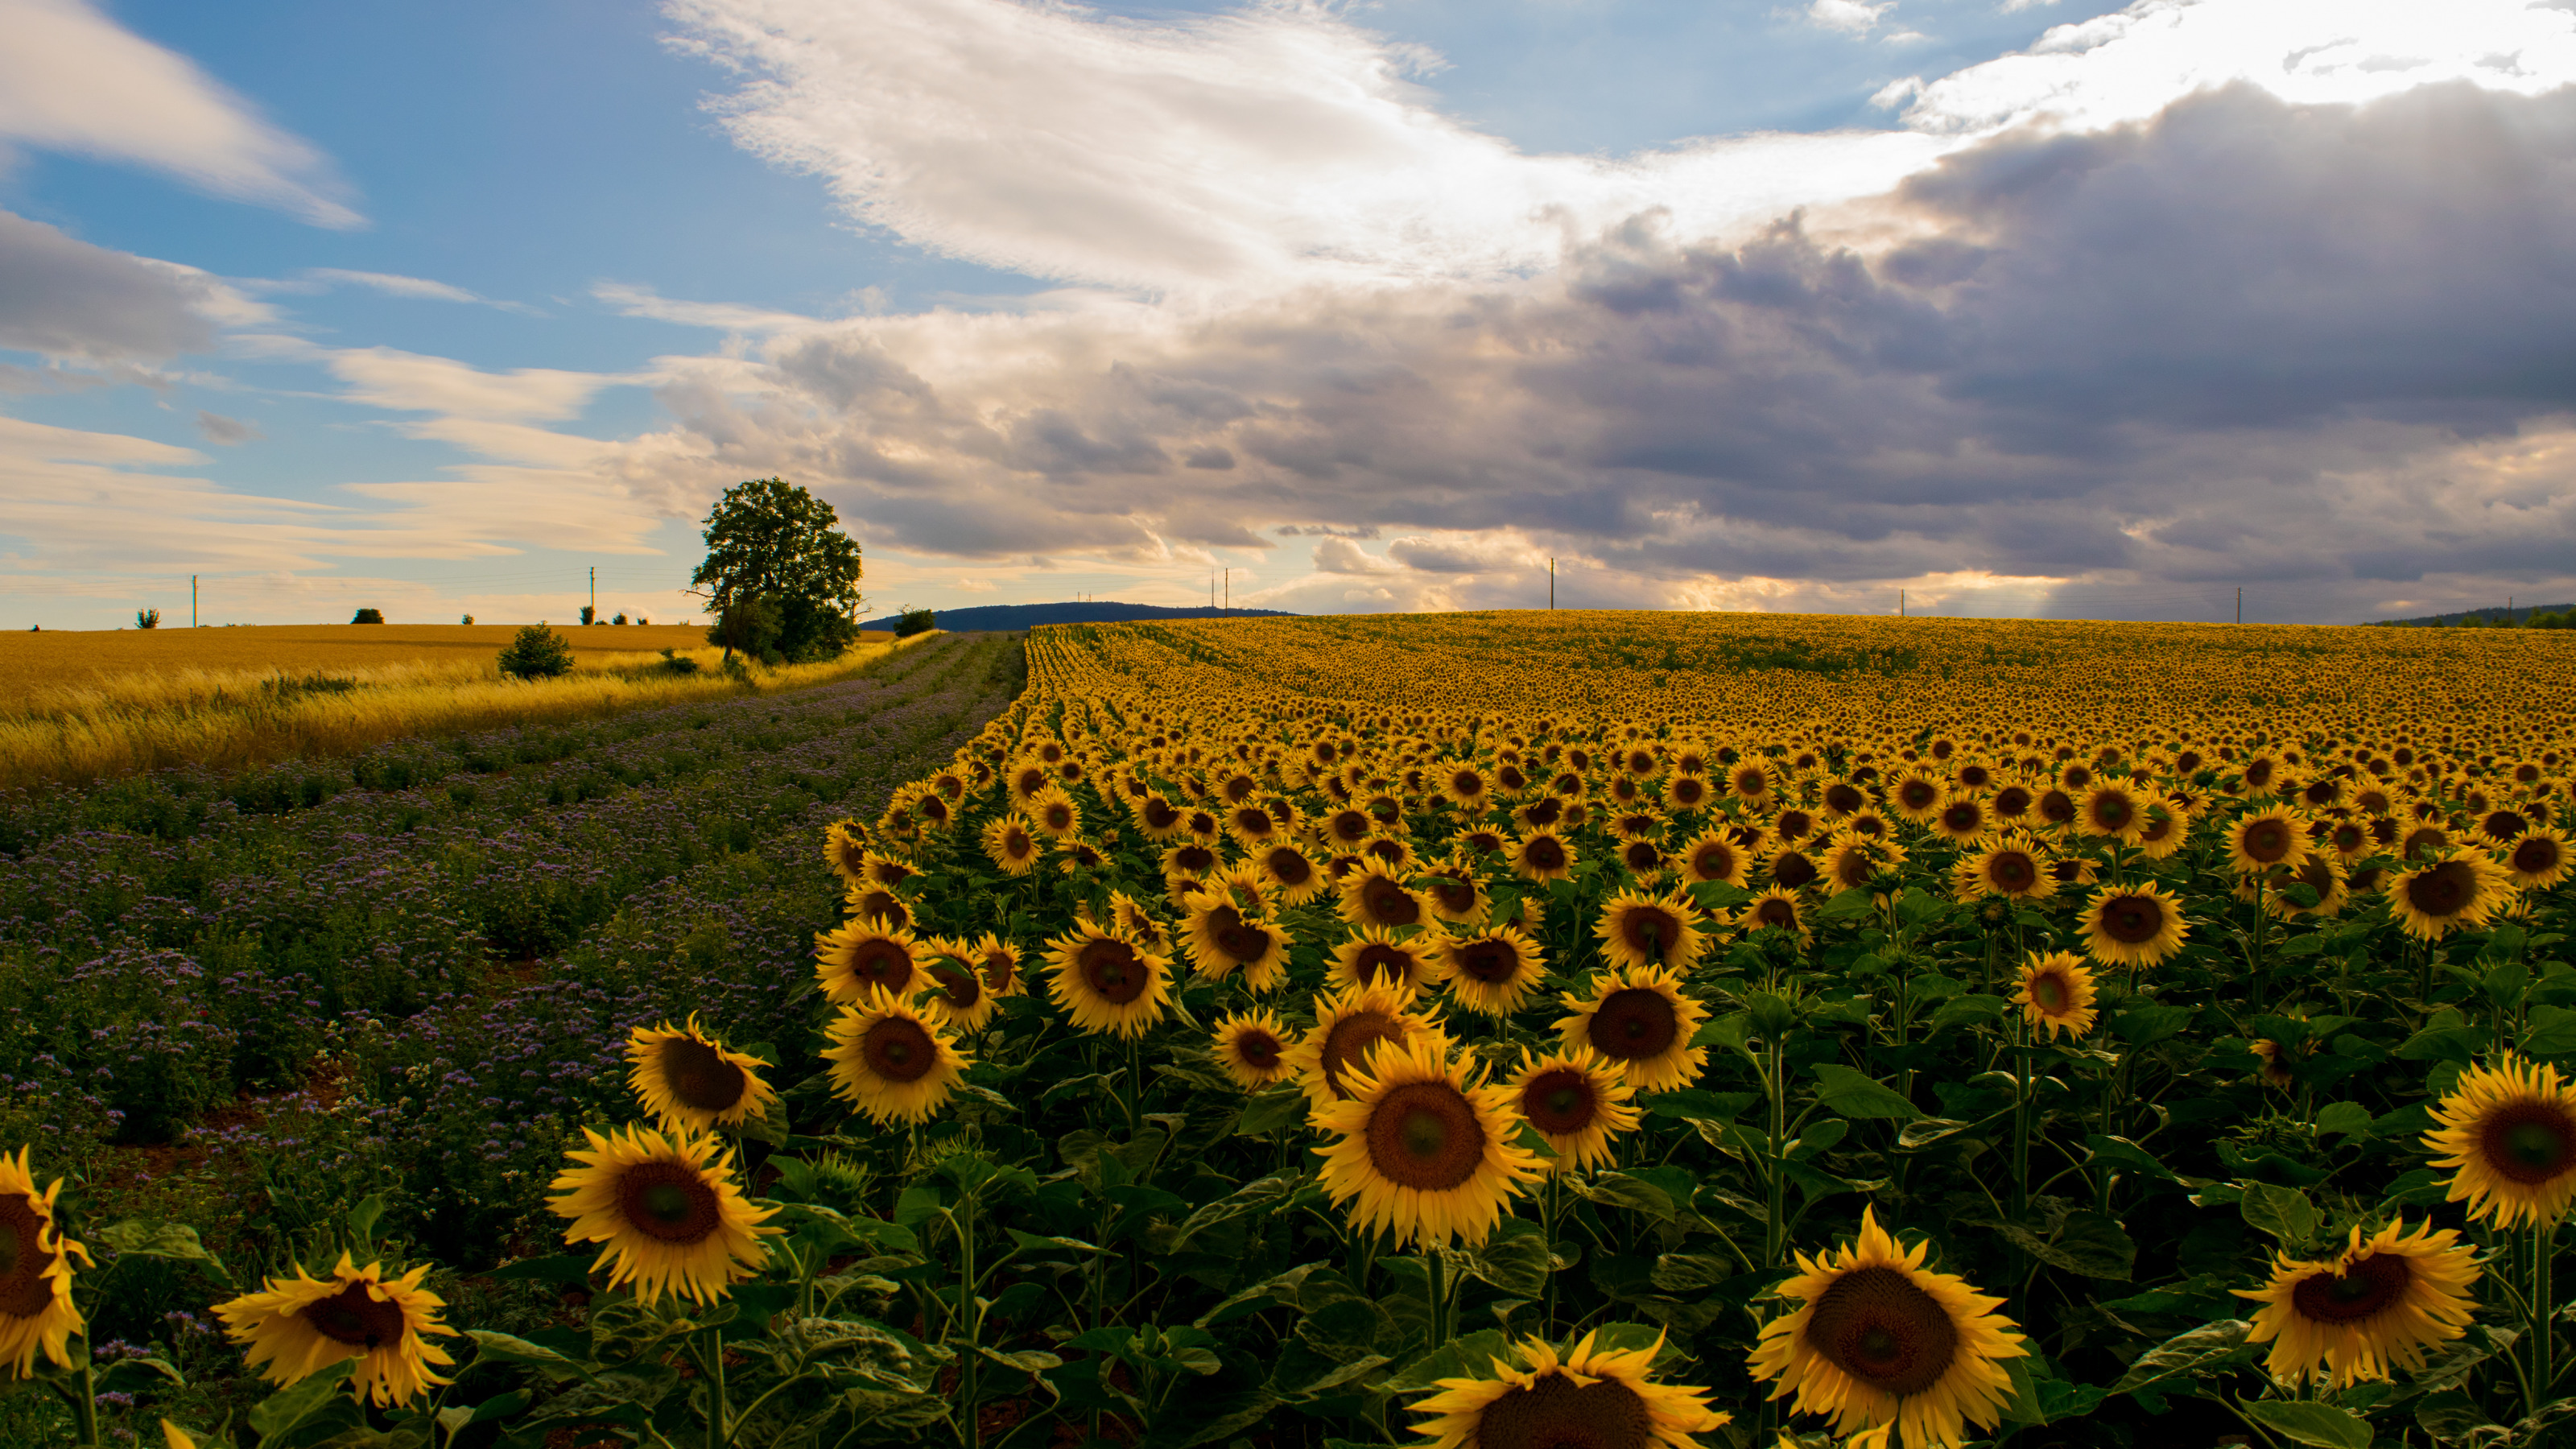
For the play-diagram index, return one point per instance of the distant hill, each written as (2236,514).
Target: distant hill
(2521,614)
(1007,618)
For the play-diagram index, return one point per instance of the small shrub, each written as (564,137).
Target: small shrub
(468,619)
(915,621)
(147,618)
(537,653)
(369,616)
(673,663)
(589,615)
(620,619)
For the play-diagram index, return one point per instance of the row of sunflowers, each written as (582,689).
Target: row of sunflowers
(1600,1030)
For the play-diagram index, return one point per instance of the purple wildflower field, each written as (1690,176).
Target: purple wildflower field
(256,1000)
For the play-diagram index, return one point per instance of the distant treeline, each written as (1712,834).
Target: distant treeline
(2529,616)
(1007,618)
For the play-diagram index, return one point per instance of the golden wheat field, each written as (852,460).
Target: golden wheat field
(80,706)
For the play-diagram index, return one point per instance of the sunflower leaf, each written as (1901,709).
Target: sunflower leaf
(1459,1358)
(1270,1111)
(2209,1346)
(1257,1196)
(2302,1422)
(2552,1033)
(274,1417)
(2283,1212)
(1854,1094)
(177,1242)
(507,1348)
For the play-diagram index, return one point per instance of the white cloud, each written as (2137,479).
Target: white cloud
(411,382)
(1850,17)
(635,301)
(71,79)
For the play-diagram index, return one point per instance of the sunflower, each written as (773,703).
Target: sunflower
(957,998)
(864,956)
(1157,818)
(2163,829)
(1878,1339)
(996,961)
(2375,1306)
(1494,971)
(1916,796)
(2510,1131)
(1348,1025)
(1774,909)
(1222,939)
(668,1209)
(1421,1150)
(1594,1399)
(1455,895)
(2262,839)
(1542,855)
(1638,1018)
(2133,925)
(2318,873)
(890,1061)
(845,849)
(687,1078)
(1053,812)
(2275,1070)
(1466,786)
(1713,857)
(1788,868)
(1190,860)
(1291,871)
(2014,870)
(2057,993)
(36,1309)
(1253,1048)
(1578,1102)
(1853,861)
(1107,983)
(1963,817)
(1375,956)
(2537,860)
(1637,929)
(1373,895)
(2110,812)
(2461,888)
(1687,792)
(1012,843)
(302,1325)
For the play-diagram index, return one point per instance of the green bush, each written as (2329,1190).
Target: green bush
(147,618)
(909,622)
(537,653)
(369,616)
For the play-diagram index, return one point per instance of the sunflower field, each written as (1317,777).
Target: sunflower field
(1569,1031)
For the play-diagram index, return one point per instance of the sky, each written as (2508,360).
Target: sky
(2022,308)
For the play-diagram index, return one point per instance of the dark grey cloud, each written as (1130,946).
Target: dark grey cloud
(220,429)
(2329,348)
(66,298)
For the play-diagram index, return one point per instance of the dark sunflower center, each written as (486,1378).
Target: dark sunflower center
(2113,811)
(1454,895)
(1195,859)
(961,986)
(2012,872)
(1877,1326)
(2051,993)
(1290,867)
(1378,961)
(1467,782)
(1917,794)
(997,972)
(1112,970)
(2348,839)
(1556,1413)
(882,962)
(2132,920)
(356,1317)
(2445,890)
(1545,852)
(1713,861)
(2012,801)
(1388,903)
(1258,1049)
(899,1050)
(24,1291)
(1160,814)
(1773,911)
(700,1077)
(2528,1142)
(1634,1023)
(877,905)
(667,1202)
(2267,841)
(1351,826)
(1963,818)
(1559,1102)
(1650,931)
(1544,812)
(2537,855)
(2057,807)
(1489,960)
(1424,1135)
(2427,840)
(2365,1289)
(1793,868)
(1351,1040)
(1844,799)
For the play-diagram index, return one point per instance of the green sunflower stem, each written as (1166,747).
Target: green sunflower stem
(1435,1264)
(711,1362)
(85,1402)
(2544,1373)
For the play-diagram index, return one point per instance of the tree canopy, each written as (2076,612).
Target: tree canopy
(781,576)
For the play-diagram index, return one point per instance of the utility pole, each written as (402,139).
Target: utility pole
(1900,603)
(2240,603)
(594,593)
(1551,581)
(1229,590)
(192,601)
(1211,588)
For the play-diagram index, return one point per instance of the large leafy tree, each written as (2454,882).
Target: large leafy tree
(781,576)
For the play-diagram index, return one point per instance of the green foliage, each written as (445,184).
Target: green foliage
(537,652)
(909,622)
(147,618)
(768,539)
(368,616)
